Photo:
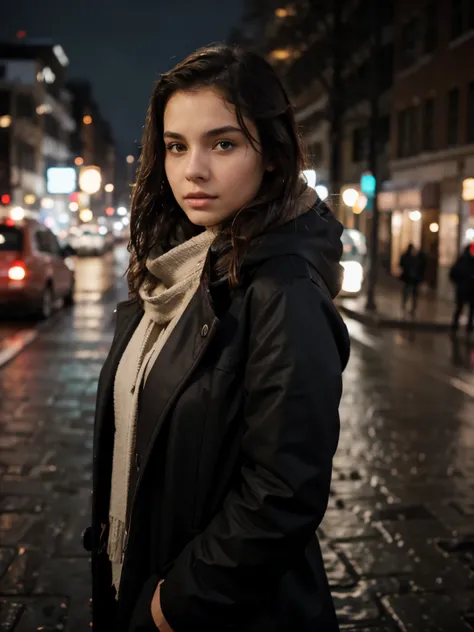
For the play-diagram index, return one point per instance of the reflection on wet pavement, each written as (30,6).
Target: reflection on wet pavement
(398,536)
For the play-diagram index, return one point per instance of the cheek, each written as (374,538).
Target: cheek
(244,177)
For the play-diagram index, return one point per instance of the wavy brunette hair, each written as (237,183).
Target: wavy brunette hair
(250,84)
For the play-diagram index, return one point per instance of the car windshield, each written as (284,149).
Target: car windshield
(11,239)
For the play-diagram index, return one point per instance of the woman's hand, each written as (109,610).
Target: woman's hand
(156,612)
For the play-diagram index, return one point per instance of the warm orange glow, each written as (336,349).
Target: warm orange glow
(280,54)
(78,161)
(87,120)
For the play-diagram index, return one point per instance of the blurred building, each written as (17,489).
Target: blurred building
(92,144)
(35,126)
(323,51)
(432,133)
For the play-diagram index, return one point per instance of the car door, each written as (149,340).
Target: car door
(61,273)
(42,257)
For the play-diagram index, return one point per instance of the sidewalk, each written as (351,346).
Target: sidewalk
(433,313)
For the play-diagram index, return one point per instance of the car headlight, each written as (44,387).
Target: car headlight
(353,276)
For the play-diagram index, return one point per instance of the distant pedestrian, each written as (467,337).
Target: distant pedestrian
(413,265)
(462,275)
(217,410)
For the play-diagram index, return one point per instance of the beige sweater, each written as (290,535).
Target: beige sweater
(177,275)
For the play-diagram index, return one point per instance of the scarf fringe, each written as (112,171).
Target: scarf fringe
(116,540)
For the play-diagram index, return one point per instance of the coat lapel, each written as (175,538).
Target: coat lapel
(175,364)
(128,316)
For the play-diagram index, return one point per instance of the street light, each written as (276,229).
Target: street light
(90,180)
(121,210)
(109,188)
(5,121)
(322,192)
(87,120)
(349,197)
(86,215)
(17,213)
(310,177)
(130,159)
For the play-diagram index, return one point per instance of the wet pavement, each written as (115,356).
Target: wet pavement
(398,536)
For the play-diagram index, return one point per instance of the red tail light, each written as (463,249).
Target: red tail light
(17,271)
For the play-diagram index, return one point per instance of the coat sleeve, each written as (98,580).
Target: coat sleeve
(293,388)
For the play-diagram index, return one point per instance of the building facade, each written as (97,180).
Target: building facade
(325,55)
(92,144)
(432,134)
(35,127)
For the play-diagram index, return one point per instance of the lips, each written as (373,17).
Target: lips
(199,196)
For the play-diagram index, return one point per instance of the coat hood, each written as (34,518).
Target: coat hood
(314,236)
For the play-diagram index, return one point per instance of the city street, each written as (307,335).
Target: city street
(398,536)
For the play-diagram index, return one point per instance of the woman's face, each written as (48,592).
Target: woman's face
(211,167)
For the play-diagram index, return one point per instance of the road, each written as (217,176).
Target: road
(398,536)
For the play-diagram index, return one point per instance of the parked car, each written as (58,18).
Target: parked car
(34,270)
(89,240)
(353,261)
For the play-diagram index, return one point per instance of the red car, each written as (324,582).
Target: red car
(34,270)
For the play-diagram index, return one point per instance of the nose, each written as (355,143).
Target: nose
(197,166)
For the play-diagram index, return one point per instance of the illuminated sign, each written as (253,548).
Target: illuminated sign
(61,180)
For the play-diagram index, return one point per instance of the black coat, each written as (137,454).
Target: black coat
(237,426)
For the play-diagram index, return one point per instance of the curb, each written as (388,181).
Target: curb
(376,320)
(15,345)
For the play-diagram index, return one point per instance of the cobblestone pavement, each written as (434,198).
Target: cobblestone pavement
(398,536)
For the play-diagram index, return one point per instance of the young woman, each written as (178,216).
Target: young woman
(217,411)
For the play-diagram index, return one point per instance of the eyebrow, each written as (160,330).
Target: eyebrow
(209,134)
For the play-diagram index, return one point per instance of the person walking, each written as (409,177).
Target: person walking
(413,265)
(462,276)
(217,408)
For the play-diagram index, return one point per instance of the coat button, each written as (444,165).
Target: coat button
(204,330)
(137,461)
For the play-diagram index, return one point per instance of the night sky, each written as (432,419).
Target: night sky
(122,46)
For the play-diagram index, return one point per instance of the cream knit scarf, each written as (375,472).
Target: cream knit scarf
(177,274)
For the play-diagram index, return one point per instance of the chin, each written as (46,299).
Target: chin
(202,218)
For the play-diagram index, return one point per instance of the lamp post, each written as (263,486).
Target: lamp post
(373,162)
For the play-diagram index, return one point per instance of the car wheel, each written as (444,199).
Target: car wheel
(47,300)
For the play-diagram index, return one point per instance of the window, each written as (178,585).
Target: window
(359,144)
(4,102)
(26,157)
(316,153)
(55,248)
(42,242)
(409,43)
(431,27)
(462,17)
(11,239)
(470,113)
(46,242)
(52,127)
(385,69)
(412,130)
(25,106)
(453,117)
(407,132)
(428,125)
(383,137)
(402,149)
